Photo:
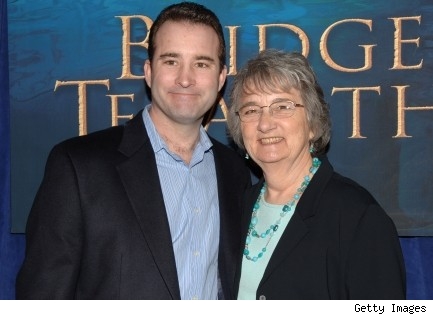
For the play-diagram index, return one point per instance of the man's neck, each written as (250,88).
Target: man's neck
(182,146)
(181,139)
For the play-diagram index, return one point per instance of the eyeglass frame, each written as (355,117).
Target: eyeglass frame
(271,110)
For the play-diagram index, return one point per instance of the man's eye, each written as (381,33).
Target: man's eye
(202,65)
(170,62)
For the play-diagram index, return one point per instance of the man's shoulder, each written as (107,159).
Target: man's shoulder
(105,137)
(101,145)
(227,151)
(218,145)
(98,138)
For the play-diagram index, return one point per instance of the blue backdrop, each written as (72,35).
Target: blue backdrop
(11,245)
(380,137)
(43,49)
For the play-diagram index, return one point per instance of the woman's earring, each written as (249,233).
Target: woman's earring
(312,148)
(247,156)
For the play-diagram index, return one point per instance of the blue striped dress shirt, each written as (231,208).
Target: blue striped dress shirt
(191,200)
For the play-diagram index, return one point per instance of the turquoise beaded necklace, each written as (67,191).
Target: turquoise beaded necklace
(252,232)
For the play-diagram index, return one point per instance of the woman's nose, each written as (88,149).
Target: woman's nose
(266,121)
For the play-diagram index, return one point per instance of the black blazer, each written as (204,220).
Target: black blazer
(339,244)
(98,227)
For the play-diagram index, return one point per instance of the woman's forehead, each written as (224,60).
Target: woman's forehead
(267,89)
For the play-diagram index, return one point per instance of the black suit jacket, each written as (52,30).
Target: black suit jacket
(339,244)
(98,227)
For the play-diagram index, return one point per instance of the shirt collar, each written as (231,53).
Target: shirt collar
(158,144)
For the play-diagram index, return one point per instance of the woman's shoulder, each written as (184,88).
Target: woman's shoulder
(352,200)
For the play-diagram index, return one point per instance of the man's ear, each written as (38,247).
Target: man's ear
(148,73)
(222,78)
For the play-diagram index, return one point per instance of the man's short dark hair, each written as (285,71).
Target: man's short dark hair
(192,13)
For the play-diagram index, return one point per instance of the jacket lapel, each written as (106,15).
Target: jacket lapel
(298,226)
(293,234)
(230,212)
(140,178)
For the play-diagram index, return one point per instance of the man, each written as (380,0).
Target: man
(151,209)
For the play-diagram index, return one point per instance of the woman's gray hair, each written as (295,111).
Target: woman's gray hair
(273,71)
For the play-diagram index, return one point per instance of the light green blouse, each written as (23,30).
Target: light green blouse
(252,272)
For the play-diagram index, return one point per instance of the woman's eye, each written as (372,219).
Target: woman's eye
(251,111)
(282,107)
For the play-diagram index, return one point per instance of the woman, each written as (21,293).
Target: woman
(310,233)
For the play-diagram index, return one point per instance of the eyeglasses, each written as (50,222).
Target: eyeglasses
(280,109)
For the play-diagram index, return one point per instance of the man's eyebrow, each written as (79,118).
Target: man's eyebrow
(168,55)
(176,55)
(207,58)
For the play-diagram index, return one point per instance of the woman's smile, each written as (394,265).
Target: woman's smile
(271,140)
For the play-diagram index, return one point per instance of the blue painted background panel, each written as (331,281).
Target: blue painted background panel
(59,40)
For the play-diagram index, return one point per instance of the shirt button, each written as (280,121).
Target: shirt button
(197,210)
(194,298)
(196,253)
(262,297)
